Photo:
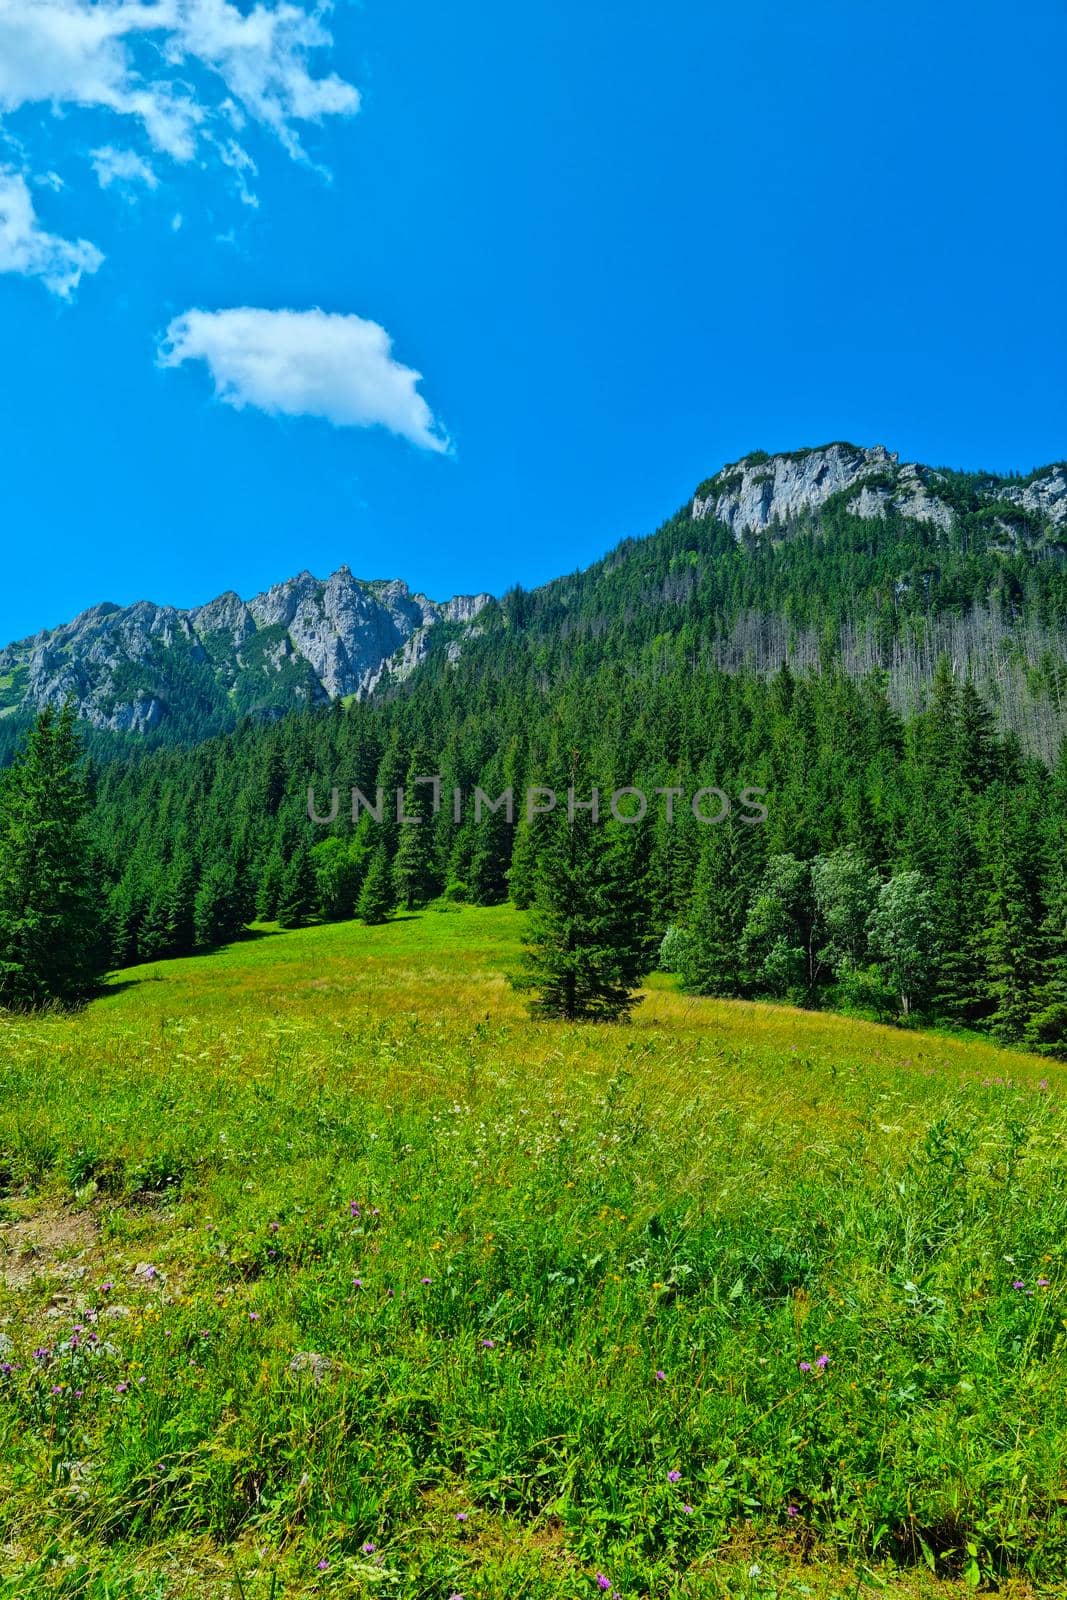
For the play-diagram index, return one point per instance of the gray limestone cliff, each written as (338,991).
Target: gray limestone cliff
(763,492)
(130,669)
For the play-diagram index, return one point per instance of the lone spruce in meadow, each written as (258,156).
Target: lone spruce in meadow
(586,949)
(376,902)
(51,945)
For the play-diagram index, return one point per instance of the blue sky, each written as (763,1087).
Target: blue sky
(621,244)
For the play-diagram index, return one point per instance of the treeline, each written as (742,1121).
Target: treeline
(874,827)
(831,591)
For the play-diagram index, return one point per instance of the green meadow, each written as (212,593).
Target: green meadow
(326,1272)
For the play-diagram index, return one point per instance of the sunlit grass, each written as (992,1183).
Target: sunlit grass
(716,1192)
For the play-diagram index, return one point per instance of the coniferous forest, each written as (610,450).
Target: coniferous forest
(905,867)
(912,861)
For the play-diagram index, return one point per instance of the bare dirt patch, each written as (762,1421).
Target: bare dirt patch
(49,1244)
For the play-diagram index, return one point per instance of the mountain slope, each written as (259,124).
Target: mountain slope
(839,555)
(836,552)
(144,667)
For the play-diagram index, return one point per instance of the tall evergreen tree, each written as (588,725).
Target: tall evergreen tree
(487,878)
(587,946)
(299,890)
(217,911)
(413,864)
(1014,934)
(711,957)
(51,934)
(377,900)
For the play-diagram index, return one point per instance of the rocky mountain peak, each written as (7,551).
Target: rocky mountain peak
(305,639)
(761,491)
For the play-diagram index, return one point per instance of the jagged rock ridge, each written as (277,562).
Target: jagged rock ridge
(129,669)
(761,491)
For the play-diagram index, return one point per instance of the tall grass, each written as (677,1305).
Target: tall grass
(341,1263)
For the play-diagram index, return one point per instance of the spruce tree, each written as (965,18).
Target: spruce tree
(299,891)
(51,935)
(710,958)
(376,899)
(522,874)
(587,946)
(1014,937)
(216,909)
(413,864)
(487,879)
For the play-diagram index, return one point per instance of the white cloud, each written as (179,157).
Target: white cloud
(26,248)
(122,167)
(134,60)
(306,363)
(181,78)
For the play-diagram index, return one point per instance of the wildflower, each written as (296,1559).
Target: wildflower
(688,1510)
(357,1283)
(353,1208)
(792,1511)
(1042,1283)
(121,1388)
(323,1564)
(424,1280)
(274,1227)
(823,1362)
(253,1316)
(674,1476)
(369,1548)
(661,1376)
(461,1516)
(488,1344)
(602,1582)
(1019,1284)
(6,1368)
(805,1366)
(106,1288)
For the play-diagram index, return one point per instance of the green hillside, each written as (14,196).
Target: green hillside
(324,1271)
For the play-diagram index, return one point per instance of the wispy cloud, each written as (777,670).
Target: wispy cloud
(184,78)
(306,363)
(27,248)
(124,168)
(133,60)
